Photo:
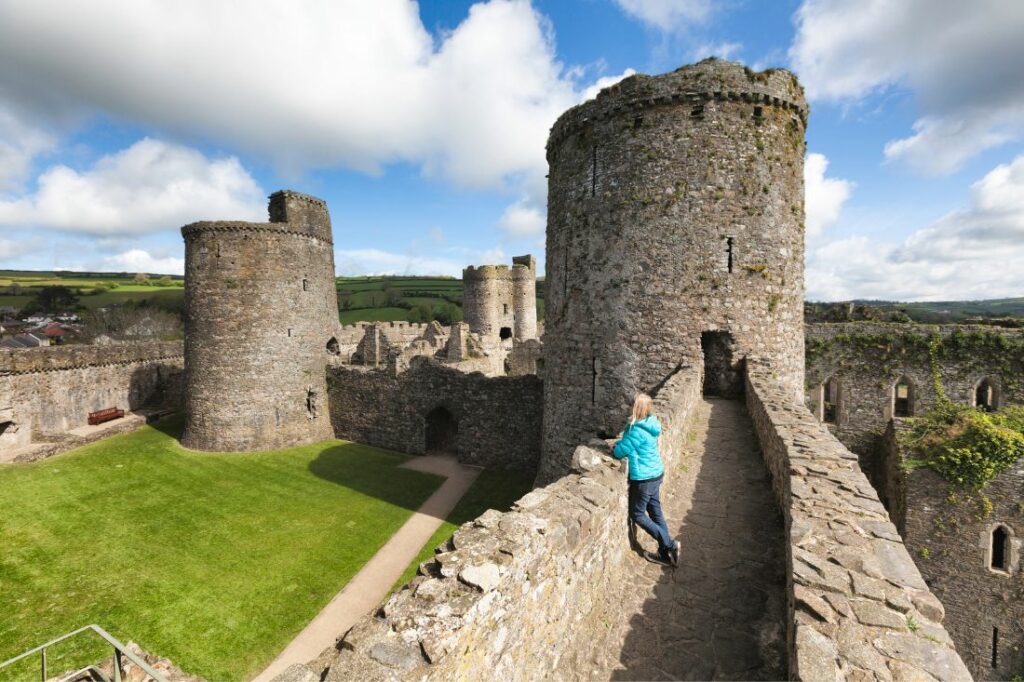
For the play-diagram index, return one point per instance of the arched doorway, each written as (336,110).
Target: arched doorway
(505,333)
(441,431)
(985,396)
(828,401)
(722,375)
(903,398)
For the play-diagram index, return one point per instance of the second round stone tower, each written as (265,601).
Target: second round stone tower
(500,302)
(260,314)
(675,238)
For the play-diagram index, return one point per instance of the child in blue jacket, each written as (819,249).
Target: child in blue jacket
(639,445)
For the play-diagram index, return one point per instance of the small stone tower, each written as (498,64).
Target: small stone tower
(500,303)
(675,238)
(260,314)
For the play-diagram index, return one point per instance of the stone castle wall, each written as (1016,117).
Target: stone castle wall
(260,311)
(498,418)
(858,606)
(868,359)
(523,595)
(950,538)
(400,333)
(675,207)
(45,392)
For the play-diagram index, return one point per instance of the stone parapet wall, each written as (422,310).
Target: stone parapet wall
(499,418)
(45,392)
(858,606)
(58,358)
(522,595)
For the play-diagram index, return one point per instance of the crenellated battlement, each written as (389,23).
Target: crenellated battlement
(712,80)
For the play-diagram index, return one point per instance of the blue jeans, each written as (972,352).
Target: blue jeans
(645,511)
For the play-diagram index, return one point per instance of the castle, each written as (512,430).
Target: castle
(674,266)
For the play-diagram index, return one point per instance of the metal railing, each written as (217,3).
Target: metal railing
(119,650)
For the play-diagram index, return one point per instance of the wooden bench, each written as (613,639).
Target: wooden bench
(106,415)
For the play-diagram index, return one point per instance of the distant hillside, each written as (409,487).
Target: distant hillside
(929,312)
(395,298)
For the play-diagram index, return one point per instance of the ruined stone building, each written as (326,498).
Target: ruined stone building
(864,380)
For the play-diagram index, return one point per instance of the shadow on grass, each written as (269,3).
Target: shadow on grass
(375,473)
(363,469)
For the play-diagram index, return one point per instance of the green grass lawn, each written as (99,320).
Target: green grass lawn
(214,560)
(373,315)
(491,490)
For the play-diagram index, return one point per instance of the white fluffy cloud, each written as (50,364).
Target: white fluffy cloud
(308,84)
(971,253)
(139,260)
(522,220)
(667,15)
(150,186)
(20,143)
(824,197)
(962,60)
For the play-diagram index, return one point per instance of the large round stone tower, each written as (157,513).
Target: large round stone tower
(499,302)
(675,238)
(260,314)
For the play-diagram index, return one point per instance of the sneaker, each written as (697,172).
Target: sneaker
(656,558)
(673,553)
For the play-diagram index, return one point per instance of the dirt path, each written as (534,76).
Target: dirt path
(719,615)
(371,584)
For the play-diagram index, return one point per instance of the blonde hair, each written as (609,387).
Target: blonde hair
(642,406)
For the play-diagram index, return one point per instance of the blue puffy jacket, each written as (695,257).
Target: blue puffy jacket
(640,444)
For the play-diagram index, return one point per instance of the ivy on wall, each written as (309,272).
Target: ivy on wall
(964,445)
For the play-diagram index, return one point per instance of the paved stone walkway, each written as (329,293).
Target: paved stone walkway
(371,584)
(719,615)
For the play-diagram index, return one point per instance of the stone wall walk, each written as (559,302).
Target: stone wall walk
(720,614)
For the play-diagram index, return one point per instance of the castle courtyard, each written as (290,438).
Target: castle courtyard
(217,559)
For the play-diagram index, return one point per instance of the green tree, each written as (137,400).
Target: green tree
(51,300)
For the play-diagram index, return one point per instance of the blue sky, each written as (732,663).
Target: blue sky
(423,126)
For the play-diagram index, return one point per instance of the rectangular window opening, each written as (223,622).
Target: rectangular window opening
(305,284)
(730,254)
(593,380)
(758,112)
(593,171)
(289,332)
(638,122)
(995,648)
(697,111)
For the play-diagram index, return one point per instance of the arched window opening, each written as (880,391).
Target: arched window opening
(903,398)
(332,346)
(505,333)
(985,396)
(442,429)
(830,401)
(1000,554)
